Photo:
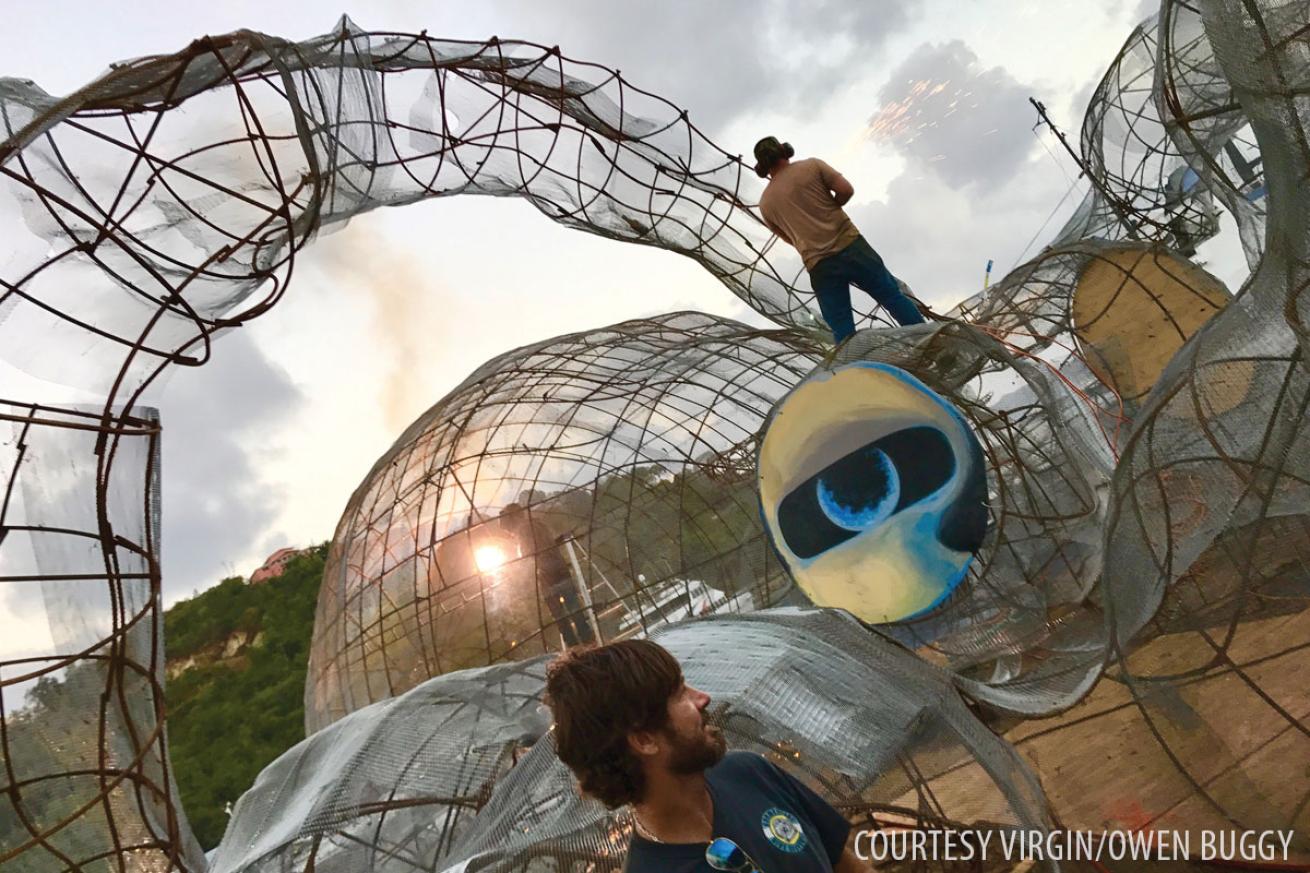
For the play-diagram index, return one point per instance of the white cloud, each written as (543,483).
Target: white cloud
(969,125)
(222,425)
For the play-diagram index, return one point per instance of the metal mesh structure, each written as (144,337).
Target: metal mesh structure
(1208,125)
(424,781)
(83,757)
(186,227)
(1108,315)
(1208,527)
(1163,138)
(135,235)
(631,449)
(1141,583)
(1018,632)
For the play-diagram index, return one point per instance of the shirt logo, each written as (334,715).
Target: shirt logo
(782,830)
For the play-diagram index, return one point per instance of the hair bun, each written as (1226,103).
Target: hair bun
(788,150)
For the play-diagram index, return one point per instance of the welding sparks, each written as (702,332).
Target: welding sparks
(926,103)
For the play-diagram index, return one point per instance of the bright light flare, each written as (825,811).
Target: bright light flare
(489,558)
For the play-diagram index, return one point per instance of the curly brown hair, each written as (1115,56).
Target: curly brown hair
(598,694)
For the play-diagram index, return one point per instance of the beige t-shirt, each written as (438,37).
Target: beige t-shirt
(797,205)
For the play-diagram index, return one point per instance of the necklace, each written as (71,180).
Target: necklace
(643,830)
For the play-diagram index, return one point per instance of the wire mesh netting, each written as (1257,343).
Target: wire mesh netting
(1209,519)
(1141,583)
(631,452)
(452,775)
(85,765)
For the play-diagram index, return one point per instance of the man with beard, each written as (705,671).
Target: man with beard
(634,732)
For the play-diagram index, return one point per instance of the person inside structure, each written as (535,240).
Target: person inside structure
(802,204)
(635,733)
(553,572)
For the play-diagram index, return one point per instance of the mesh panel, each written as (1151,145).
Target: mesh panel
(881,733)
(631,450)
(84,775)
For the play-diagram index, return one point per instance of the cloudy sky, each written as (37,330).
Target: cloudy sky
(922,104)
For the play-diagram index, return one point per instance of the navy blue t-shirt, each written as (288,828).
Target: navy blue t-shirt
(783,825)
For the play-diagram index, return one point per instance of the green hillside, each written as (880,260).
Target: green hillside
(228,717)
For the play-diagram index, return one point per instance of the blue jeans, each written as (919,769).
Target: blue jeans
(859,264)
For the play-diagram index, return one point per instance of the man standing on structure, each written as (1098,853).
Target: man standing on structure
(802,204)
(553,572)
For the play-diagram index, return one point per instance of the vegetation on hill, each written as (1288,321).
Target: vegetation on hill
(229,717)
(231,710)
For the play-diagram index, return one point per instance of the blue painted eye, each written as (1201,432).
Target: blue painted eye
(874,491)
(864,488)
(860,490)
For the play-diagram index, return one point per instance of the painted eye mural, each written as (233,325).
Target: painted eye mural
(873,491)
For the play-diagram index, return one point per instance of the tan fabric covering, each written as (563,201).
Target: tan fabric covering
(798,206)
(1134,308)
